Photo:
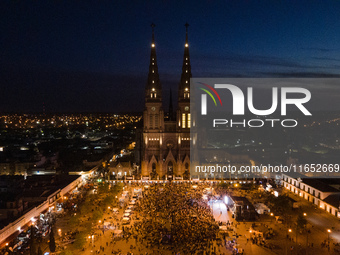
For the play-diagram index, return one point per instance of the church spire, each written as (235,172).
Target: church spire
(184,85)
(171,110)
(153,90)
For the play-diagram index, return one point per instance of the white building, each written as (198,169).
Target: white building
(323,192)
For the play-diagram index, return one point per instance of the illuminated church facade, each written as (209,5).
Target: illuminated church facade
(165,148)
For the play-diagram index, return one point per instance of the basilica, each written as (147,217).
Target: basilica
(165,143)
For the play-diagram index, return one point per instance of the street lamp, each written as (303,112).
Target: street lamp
(305,214)
(289,231)
(329,244)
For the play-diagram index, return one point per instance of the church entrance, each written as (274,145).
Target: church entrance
(170,170)
(153,174)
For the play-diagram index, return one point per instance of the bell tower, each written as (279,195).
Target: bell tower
(153,113)
(153,118)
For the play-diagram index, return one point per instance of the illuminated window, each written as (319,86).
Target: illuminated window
(151,95)
(189,120)
(186,58)
(183,120)
(186,63)
(156,120)
(186,71)
(153,81)
(155,95)
(150,121)
(153,71)
(153,63)
(186,81)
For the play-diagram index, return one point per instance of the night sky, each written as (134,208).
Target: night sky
(82,56)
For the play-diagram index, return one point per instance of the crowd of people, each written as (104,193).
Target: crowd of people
(174,218)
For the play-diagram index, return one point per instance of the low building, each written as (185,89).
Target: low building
(242,208)
(121,169)
(322,192)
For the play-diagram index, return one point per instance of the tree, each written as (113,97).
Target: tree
(281,205)
(66,252)
(301,222)
(97,214)
(74,221)
(80,240)
(33,246)
(52,241)
(40,251)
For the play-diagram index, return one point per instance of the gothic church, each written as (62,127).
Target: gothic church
(165,152)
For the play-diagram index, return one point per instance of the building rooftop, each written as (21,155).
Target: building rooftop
(320,184)
(333,200)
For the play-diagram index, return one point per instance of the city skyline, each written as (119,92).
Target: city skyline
(85,58)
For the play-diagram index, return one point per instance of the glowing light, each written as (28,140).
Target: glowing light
(289,230)
(153,45)
(271,214)
(304,214)
(329,231)
(186,45)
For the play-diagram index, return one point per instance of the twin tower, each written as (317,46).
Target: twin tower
(165,150)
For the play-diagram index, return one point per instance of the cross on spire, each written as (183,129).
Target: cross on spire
(153,30)
(186,32)
(186,26)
